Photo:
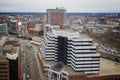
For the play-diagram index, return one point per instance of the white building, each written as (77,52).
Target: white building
(73,49)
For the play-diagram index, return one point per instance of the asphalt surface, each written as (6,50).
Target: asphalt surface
(26,65)
(35,66)
(29,50)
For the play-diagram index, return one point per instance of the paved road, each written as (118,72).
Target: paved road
(30,51)
(35,65)
(26,65)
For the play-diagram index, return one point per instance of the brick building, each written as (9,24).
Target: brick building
(36,31)
(32,23)
(4,19)
(56,16)
(10,60)
(4,68)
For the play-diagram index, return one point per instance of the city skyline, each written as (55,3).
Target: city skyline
(59,45)
(71,5)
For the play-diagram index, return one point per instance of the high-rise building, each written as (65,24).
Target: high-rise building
(10,60)
(56,16)
(73,49)
(3,29)
(13,26)
(71,55)
(8,66)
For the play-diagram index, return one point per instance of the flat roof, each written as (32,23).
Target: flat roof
(82,37)
(37,39)
(11,54)
(13,20)
(11,40)
(2,58)
(14,54)
(7,47)
(35,20)
(70,33)
(2,40)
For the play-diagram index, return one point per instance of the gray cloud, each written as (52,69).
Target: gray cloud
(70,5)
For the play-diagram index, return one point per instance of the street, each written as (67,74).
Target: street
(30,69)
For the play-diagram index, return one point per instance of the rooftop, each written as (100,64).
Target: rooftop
(37,39)
(8,47)
(70,33)
(8,51)
(58,66)
(35,20)
(11,40)
(14,21)
(2,58)
(2,40)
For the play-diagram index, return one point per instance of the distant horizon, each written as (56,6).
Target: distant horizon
(45,12)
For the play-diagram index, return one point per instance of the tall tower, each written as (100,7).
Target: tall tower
(56,16)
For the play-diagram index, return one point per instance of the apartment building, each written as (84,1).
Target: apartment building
(4,68)
(56,16)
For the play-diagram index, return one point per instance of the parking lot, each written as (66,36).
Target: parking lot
(106,49)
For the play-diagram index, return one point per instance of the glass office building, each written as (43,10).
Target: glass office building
(3,29)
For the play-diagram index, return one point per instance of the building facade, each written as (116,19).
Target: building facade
(32,23)
(13,27)
(4,68)
(37,31)
(10,60)
(3,29)
(56,16)
(82,56)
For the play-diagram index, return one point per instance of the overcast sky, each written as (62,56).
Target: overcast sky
(69,5)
